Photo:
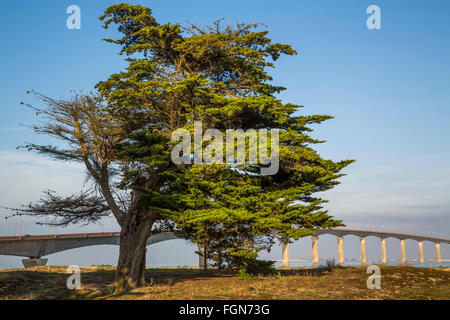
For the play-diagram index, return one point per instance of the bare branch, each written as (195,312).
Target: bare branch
(90,136)
(85,207)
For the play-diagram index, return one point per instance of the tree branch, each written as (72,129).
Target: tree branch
(85,207)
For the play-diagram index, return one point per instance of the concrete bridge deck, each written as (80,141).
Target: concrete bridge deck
(36,246)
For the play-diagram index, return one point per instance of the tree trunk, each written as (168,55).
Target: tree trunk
(136,229)
(219,260)
(205,257)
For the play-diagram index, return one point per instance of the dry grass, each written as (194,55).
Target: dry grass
(177,283)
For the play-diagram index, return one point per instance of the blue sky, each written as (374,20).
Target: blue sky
(388,89)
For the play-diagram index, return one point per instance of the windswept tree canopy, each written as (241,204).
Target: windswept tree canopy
(219,75)
(178,75)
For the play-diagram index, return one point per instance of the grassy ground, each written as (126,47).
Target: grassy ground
(165,283)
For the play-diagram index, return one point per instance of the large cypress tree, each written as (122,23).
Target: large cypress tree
(177,75)
(219,75)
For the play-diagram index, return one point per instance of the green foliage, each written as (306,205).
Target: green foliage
(243,275)
(260,267)
(218,75)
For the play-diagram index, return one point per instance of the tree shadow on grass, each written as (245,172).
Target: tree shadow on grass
(166,276)
(97,282)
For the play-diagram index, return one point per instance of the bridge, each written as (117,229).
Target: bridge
(362,234)
(37,246)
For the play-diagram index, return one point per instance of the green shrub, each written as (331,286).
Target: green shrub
(259,267)
(243,275)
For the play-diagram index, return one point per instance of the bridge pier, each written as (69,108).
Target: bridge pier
(438,253)
(34,262)
(363,252)
(403,251)
(315,250)
(340,241)
(421,260)
(38,246)
(285,253)
(383,251)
